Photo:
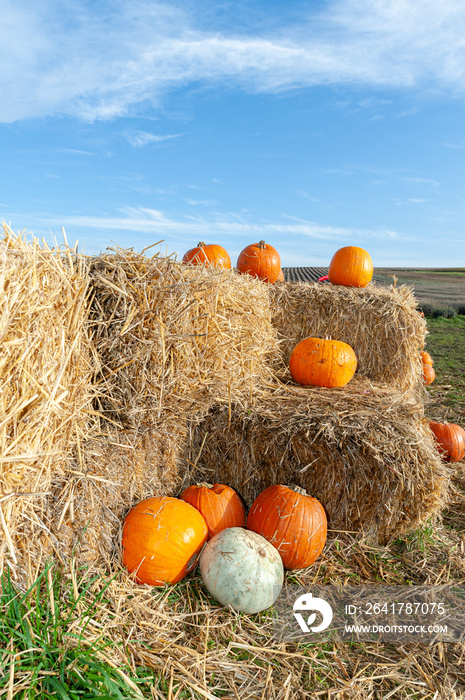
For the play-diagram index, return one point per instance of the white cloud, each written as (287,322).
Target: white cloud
(420,180)
(306,195)
(339,171)
(102,61)
(412,200)
(202,202)
(142,138)
(77,151)
(458,145)
(141,220)
(300,241)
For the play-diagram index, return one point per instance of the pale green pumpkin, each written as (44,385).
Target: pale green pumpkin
(242,569)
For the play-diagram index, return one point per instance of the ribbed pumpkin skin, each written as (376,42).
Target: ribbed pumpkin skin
(260,260)
(211,254)
(351,267)
(293,523)
(242,569)
(219,504)
(450,438)
(426,358)
(322,362)
(162,539)
(429,375)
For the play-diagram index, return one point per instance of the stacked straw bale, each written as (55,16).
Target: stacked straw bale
(173,339)
(126,376)
(168,341)
(46,363)
(366,453)
(381,324)
(109,475)
(183,362)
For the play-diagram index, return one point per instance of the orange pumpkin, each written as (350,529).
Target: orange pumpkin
(280,276)
(351,267)
(322,362)
(450,439)
(429,375)
(260,260)
(219,504)
(291,521)
(426,358)
(162,540)
(210,254)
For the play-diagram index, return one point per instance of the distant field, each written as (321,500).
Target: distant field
(441,287)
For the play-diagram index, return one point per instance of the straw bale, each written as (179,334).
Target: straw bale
(173,339)
(108,475)
(381,324)
(363,451)
(46,364)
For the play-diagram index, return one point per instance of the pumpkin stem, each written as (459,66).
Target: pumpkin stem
(261,244)
(204,483)
(201,244)
(298,489)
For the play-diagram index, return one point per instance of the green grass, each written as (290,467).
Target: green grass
(43,651)
(420,539)
(446,345)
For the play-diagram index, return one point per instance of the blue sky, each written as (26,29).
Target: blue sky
(312,125)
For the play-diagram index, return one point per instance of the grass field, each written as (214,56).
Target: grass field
(59,641)
(446,343)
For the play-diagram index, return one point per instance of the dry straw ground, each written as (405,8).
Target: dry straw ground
(129,375)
